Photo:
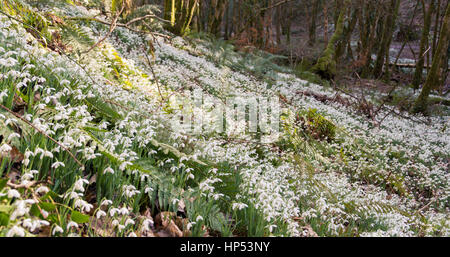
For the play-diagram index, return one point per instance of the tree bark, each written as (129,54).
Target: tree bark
(433,76)
(423,45)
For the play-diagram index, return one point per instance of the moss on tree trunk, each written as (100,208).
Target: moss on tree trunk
(326,65)
(421,103)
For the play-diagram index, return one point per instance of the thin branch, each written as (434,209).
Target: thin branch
(275,5)
(111,29)
(154,75)
(43,133)
(26,186)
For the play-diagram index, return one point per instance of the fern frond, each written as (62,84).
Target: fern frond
(72,33)
(104,109)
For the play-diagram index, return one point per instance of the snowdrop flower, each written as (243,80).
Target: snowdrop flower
(71,224)
(148,189)
(85,206)
(113,212)
(115,223)
(73,195)
(44,223)
(3,94)
(9,62)
(144,176)
(129,190)
(100,214)
(27,176)
(7,122)
(16,231)
(129,222)
(27,223)
(108,170)
(64,82)
(12,193)
(28,153)
(57,229)
(26,161)
(198,218)
(124,165)
(132,234)
(12,136)
(4,149)
(105,202)
(239,206)
(271,227)
(146,224)
(56,165)
(123,211)
(28,117)
(79,184)
(42,190)
(48,154)
(190,224)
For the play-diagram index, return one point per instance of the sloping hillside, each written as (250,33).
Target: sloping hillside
(92,142)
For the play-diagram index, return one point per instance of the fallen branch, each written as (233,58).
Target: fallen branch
(409,65)
(26,186)
(43,133)
(154,75)
(111,29)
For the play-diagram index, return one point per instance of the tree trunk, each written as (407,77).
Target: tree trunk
(423,45)
(388,30)
(326,65)
(433,76)
(313,25)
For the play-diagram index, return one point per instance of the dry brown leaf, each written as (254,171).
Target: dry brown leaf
(163,219)
(14,155)
(174,230)
(165,223)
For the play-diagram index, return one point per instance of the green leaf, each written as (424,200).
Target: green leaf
(4,219)
(5,208)
(34,210)
(52,218)
(50,194)
(47,206)
(79,218)
(3,183)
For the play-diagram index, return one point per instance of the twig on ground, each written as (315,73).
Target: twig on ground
(43,133)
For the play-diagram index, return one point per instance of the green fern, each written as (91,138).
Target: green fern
(104,109)
(71,33)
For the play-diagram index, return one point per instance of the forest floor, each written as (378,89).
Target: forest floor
(93,144)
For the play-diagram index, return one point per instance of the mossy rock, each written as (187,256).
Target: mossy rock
(316,125)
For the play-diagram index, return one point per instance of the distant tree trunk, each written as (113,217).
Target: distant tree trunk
(216,13)
(313,24)
(423,44)
(433,76)
(367,36)
(326,65)
(346,35)
(436,26)
(325,22)
(180,13)
(169,11)
(278,15)
(388,30)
